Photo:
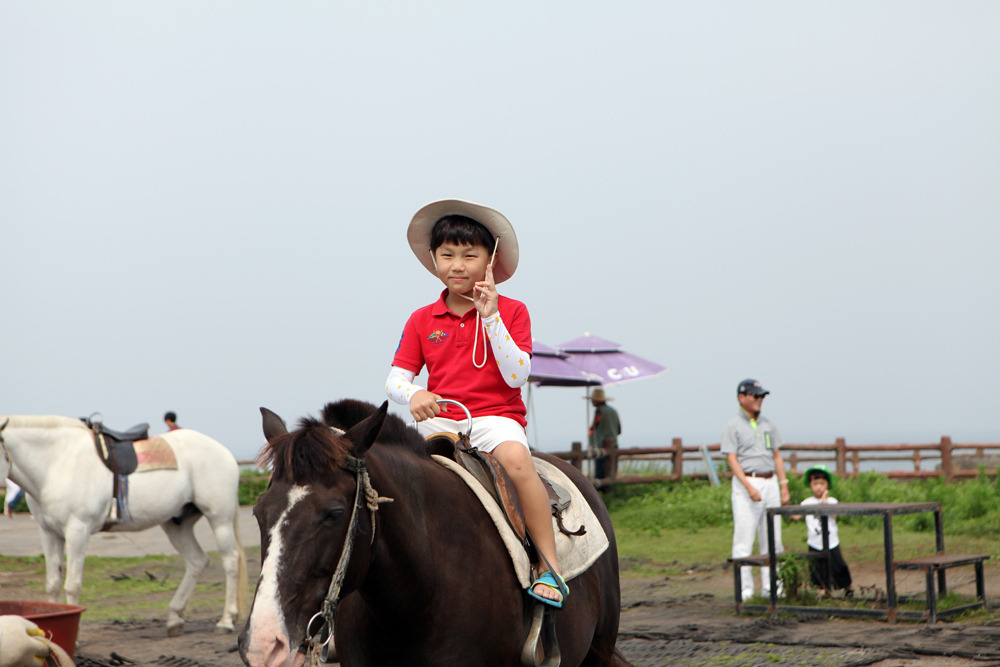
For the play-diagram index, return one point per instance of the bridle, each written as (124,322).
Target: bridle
(365,497)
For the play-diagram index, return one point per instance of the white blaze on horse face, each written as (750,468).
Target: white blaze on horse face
(269,637)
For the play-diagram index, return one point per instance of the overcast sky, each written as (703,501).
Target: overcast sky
(204,205)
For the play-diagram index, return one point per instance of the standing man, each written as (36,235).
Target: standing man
(604,431)
(752,445)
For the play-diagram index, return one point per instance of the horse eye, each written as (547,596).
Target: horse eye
(333,515)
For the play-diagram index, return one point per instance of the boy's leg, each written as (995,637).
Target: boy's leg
(516,461)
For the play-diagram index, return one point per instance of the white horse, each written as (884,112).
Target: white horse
(70,494)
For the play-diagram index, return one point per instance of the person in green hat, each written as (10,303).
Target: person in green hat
(820,481)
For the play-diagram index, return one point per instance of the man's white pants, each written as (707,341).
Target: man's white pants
(750,519)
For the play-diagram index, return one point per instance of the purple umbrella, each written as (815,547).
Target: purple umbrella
(550,368)
(606,360)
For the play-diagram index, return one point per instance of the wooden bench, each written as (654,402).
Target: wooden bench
(938,564)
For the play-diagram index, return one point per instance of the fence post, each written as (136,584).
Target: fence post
(611,465)
(793,462)
(576,458)
(678,457)
(946,465)
(841,447)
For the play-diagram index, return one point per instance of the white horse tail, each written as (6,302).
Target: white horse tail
(243,579)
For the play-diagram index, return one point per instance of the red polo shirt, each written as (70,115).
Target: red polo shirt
(442,341)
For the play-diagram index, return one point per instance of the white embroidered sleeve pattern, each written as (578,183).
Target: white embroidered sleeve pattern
(514,363)
(399,386)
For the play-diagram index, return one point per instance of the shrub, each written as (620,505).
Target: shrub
(252,484)
(970,507)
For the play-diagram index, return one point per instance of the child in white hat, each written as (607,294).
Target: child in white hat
(476,346)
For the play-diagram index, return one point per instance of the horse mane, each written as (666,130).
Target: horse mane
(305,455)
(348,412)
(43,421)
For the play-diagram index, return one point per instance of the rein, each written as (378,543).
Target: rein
(365,497)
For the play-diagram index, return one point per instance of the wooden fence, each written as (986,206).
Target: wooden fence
(903,461)
(637,465)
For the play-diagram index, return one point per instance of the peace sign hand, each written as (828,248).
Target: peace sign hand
(485,294)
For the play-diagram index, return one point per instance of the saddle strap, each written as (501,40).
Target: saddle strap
(490,474)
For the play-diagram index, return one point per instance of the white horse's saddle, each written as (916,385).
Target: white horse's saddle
(114,448)
(124,453)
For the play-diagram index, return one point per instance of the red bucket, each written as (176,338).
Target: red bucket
(61,622)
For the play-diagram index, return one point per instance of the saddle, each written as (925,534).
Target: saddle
(116,449)
(488,471)
(540,646)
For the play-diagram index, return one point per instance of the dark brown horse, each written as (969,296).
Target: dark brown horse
(424,579)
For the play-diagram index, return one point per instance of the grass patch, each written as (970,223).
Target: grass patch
(969,508)
(135,587)
(673,528)
(252,484)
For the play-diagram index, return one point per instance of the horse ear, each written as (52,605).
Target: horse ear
(363,433)
(273,425)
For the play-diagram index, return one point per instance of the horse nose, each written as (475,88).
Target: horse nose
(267,651)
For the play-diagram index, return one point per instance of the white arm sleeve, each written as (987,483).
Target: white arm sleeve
(514,363)
(399,386)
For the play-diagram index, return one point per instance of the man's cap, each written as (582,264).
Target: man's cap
(819,467)
(419,233)
(752,387)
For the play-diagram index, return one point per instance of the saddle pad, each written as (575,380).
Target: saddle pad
(154,454)
(575,553)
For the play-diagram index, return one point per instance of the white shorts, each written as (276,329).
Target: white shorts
(487,432)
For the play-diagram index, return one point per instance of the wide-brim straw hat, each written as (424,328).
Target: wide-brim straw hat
(419,233)
(598,395)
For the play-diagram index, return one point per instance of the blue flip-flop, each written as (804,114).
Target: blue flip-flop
(553,581)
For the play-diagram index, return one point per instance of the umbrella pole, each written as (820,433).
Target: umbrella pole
(531,417)
(588,464)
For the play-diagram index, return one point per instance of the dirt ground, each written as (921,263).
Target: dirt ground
(680,620)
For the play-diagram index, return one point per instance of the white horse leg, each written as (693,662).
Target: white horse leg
(195,561)
(77,537)
(52,546)
(225,537)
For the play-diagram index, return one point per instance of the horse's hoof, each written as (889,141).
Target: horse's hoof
(175,630)
(224,630)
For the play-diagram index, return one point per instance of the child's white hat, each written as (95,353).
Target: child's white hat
(419,233)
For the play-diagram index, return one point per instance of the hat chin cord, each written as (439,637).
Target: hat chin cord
(479,319)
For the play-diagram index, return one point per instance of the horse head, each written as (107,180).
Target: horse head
(316,521)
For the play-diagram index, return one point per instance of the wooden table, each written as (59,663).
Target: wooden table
(886,511)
